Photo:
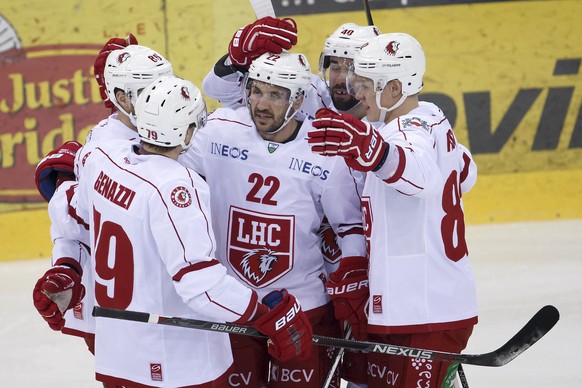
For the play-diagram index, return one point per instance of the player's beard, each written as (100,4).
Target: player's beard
(342,100)
(262,118)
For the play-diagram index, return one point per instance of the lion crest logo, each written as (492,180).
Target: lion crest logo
(392,47)
(328,243)
(256,264)
(123,57)
(185,93)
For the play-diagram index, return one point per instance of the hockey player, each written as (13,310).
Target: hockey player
(328,90)
(422,291)
(153,250)
(269,195)
(121,76)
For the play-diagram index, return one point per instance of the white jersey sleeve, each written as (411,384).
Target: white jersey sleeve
(227,89)
(67,233)
(411,165)
(71,242)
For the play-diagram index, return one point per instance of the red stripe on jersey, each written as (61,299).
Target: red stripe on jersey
(400,168)
(250,311)
(71,210)
(319,95)
(465,171)
(435,124)
(75,332)
(194,267)
(412,184)
(355,230)
(227,309)
(230,121)
(69,261)
(354,181)
(401,131)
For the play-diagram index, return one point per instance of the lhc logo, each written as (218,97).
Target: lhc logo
(260,246)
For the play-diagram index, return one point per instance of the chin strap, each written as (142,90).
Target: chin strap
(383,110)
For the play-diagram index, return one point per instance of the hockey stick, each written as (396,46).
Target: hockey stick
(462,377)
(368,13)
(535,329)
(263,8)
(337,356)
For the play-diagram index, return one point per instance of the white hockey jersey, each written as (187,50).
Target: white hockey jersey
(268,200)
(152,250)
(420,275)
(229,91)
(71,239)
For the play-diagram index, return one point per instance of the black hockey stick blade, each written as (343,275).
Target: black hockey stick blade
(538,326)
(535,329)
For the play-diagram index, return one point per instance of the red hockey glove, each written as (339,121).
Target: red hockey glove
(55,168)
(267,34)
(342,134)
(58,290)
(99,65)
(288,328)
(348,289)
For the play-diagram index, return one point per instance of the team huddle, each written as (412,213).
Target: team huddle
(326,204)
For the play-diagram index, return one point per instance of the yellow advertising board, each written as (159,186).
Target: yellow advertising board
(507,74)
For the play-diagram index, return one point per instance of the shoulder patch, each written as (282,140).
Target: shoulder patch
(181,197)
(415,122)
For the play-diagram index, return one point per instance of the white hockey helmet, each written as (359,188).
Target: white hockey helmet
(132,69)
(344,42)
(389,57)
(338,51)
(166,109)
(287,70)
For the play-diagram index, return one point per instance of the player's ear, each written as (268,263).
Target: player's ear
(297,103)
(394,87)
(123,99)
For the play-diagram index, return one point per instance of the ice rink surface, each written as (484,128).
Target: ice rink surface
(518,268)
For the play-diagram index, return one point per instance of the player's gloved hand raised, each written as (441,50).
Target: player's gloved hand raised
(349,291)
(358,142)
(99,65)
(55,168)
(58,290)
(288,328)
(267,34)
